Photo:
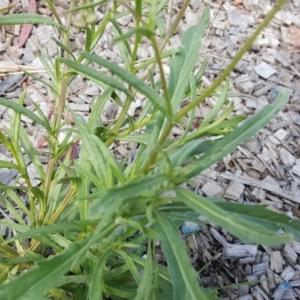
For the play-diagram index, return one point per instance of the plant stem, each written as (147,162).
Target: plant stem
(162,74)
(154,153)
(119,122)
(57,214)
(63,205)
(143,123)
(53,10)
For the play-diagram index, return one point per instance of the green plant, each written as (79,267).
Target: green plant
(98,216)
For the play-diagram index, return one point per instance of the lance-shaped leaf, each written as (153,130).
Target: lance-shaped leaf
(117,196)
(183,65)
(184,277)
(24,111)
(131,79)
(148,288)
(244,229)
(95,285)
(241,134)
(96,76)
(28,19)
(261,215)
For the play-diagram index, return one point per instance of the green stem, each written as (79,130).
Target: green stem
(53,10)
(143,123)
(154,153)
(119,122)
(162,74)
(35,244)
(63,205)
(128,101)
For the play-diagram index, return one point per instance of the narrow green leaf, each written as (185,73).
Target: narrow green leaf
(63,47)
(85,173)
(88,39)
(34,256)
(184,277)
(124,47)
(132,80)
(14,226)
(31,152)
(14,261)
(5,141)
(117,196)
(40,112)
(29,19)
(212,129)
(144,31)
(91,144)
(15,130)
(95,285)
(152,60)
(164,281)
(24,111)
(142,138)
(96,76)
(131,266)
(148,288)
(217,107)
(48,229)
(13,197)
(191,41)
(6,164)
(245,230)
(261,215)
(48,69)
(85,6)
(191,113)
(241,134)
(97,108)
(183,154)
(73,279)
(179,218)
(38,78)
(123,292)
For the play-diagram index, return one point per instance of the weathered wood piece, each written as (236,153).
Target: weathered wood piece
(231,251)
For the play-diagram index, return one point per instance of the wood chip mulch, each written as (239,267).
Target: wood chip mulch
(266,169)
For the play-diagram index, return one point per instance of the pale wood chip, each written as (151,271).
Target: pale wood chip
(218,236)
(234,190)
(287,273)
(264,70)
(236,251)
(271,279)
(277,262)
(212,189)
(281,134)
(259,269)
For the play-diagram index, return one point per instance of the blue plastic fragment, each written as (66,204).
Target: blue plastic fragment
(190,227)
(286,285)
(283,288)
